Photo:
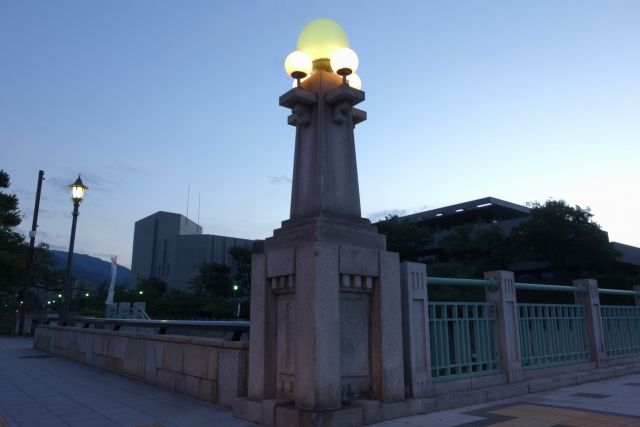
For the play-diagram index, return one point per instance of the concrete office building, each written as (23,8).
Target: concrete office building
(171,247)
(506,215)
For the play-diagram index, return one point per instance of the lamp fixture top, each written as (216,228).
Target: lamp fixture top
(320,38)
(77,189)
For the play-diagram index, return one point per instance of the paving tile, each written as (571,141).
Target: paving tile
(88,419)
(51,422)
(47,392)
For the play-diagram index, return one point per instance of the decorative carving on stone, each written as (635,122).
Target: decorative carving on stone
(283,284)
(342,112)
(285,347)
(301,115)
(356,282)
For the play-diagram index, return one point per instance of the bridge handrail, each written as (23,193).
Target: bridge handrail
(236,326)
(550,288)
(449,281)
(489,283)
(619,292)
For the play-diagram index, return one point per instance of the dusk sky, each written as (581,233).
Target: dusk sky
(520,100)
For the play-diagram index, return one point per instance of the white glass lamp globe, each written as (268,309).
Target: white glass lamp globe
(298,64)
(354,81)
(77,190)
(344,61)
(321,37)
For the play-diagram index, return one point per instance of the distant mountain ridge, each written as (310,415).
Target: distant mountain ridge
(91,269)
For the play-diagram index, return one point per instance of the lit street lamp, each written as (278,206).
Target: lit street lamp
(235,298)
(77,194)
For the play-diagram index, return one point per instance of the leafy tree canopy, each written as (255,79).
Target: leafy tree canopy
(404,237)
(242,268)
(479,249)
(213,279)
(566,237)
(12,249)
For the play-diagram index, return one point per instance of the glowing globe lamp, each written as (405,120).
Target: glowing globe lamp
(320,38)
(298,64)
(344,61)
(354,81)
(77,190)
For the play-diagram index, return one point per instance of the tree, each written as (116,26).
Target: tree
(9,213)
(565,237)
(152,288)
(213,284)
(242,276)
(12,248)
(478,249)
(404,237)
(242,267)
(212,279)
(44,275)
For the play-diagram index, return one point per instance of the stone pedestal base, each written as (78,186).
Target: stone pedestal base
(288,416)
(325,330)
(282,413)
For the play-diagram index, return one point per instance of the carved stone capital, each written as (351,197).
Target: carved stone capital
(300,102)
(343,98)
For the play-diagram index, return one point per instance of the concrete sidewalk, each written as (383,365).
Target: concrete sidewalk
(609,403)
(37,389)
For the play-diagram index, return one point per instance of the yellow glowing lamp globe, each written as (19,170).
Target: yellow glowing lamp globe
(344,61)
(354,81)
(321,37)
(77,190)
(298,64)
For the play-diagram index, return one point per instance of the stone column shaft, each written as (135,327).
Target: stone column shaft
(415,328)
(504,297)
(325,174)
(590,299)
(317,338)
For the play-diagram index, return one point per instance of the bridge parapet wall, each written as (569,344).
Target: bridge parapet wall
(213,370)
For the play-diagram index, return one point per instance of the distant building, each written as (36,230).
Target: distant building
(171,247)
(506,215)
(481,213)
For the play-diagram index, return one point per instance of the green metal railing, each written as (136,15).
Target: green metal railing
(548,288)
(619,292)
(552,334)
(449,281)
(463,340)
(621,328)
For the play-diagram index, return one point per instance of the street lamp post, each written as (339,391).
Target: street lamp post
(235,298)
(77,194)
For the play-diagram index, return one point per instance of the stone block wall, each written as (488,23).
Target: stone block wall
(208,369)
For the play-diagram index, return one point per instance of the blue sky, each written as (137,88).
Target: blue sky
(518,100)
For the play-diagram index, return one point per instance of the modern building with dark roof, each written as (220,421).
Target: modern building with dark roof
(171,247)
(506,215)
(481,211)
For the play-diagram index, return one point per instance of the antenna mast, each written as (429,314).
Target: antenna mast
(188,194)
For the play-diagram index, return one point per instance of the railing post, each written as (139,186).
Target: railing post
(637,289)
(590,299)
(415,329)
(504,297)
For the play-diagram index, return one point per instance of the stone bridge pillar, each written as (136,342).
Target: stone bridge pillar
(326,332)
(504,297)
(590,299)
(415,327)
